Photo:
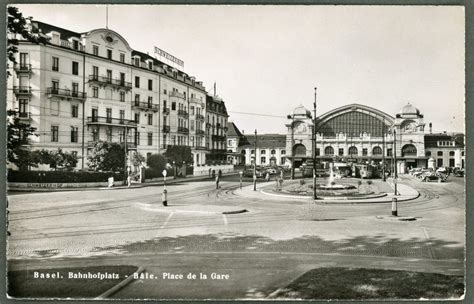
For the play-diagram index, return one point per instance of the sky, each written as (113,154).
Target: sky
(267,60)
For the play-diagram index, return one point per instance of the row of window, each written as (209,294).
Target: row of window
(440,153)
(283,152)
(182,141)
(354,151)
(55,134)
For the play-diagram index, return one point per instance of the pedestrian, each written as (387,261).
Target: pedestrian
(129,180)
(219,173)
(217,182)
(267,177)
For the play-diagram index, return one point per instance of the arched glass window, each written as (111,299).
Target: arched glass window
(409,150)
(262,151)
(352,150)
(329,150)
(377,151)
(451,153)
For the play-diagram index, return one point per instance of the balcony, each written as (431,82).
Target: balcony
(21,68)
(183,130)
(130,145)
(144,106)
(177,94)
(109,121)
(199,117)
(24,116)
(106,81)
(199,132)
(68,94)
(183,113)
(166,111)
(166,129)
(22,90)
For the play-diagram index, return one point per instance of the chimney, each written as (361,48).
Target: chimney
(431,128)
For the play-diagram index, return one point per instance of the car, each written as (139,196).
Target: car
(422,171)
(414,170)
(458,172)
(248,172)
(271,170)
(429,176)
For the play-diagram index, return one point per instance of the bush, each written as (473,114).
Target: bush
(150,173)
(156,162)
(61,177)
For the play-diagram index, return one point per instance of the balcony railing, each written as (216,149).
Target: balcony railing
(24,116)
(199,117)
(144,105)
(166,129)
(183,130)
(177,94)
(102,80)
(66,93)
(166,111)
(22,68)
(22,90)
(100,120)
(199,132)
(183,113)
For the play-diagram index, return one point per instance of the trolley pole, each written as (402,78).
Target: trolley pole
(255,164)
(315,196)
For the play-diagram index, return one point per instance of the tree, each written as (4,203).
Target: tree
(156,162)
(138,159)
(55,159)
(107,156)
(18,139)
(178,154)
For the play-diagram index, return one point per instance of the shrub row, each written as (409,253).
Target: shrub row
(150,173)
(61,176)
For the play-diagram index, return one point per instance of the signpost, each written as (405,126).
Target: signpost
(164,196)
(241,173)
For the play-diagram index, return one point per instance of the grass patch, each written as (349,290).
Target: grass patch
(23,284)
(350,283)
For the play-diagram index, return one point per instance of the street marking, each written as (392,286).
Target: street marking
(167,220)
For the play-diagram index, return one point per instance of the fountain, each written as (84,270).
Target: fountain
(331,185)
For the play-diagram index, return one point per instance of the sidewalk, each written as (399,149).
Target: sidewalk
(155,182)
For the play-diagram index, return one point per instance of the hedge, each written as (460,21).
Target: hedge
(61,176)
(150,173)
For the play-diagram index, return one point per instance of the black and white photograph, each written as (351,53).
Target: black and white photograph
(235,152)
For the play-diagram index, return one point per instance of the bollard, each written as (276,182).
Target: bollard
(164,198)
(394,207)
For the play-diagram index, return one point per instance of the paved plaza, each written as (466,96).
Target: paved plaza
(261,241)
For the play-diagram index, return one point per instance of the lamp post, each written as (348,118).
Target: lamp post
(255,164)
(315,196)
(292,117)
(383,150)
(395,176)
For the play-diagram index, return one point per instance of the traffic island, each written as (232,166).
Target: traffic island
(361,283)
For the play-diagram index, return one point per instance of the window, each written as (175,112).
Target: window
(329,151)
(451,162)
(137,61)
(109,54)
(122,79)
(252,151)
(377,151)
(150,119)
(364,152)
(122,96)
(273,152)
(263,159)
(150,139)
(74,134)
(440,153)
(109,133)
(137,98)
(451,153)
(191,125)
(137,82)
(122,116)
(23,107)
(95,72)
(95,50)
(192,110)
(95,113)
(150,65)
(55,64)
(150,102)
(173,106)
(150,84)
(262,151)
(109,76)
(75,68)
(75,111)
(108,113)
(317,152)
(164,91)
(95,92)
(462,153)
(122,57)
(283,152)
(75,89)
(137,138)
(54,133)
(428,153)
(439,162)
(340,152)
(389,152)
(353,151)
(75,44)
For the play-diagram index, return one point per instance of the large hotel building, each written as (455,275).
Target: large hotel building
(82,88)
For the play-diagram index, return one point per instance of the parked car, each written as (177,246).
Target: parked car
(458,172)
(271,170)
(422,171)
(414,170)
(248,172)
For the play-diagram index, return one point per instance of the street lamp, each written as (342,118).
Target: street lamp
(292,117)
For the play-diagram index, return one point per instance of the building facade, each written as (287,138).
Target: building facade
(234,155)
(82,88)
(271,149)
(216,129)
(360,134)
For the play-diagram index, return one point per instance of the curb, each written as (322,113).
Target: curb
(120,285)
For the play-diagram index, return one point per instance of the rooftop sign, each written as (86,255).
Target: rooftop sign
(168,56)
